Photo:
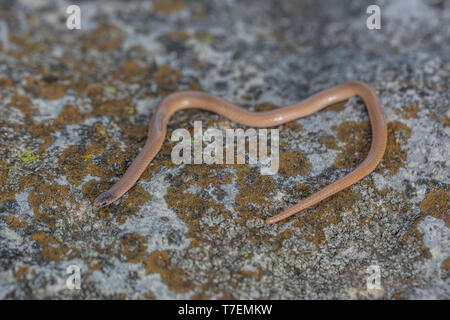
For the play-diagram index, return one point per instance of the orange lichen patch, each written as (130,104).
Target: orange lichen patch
(190,208)
(369,182)
(193,85)
(78,164)
(242,274)
(302,189)
(46,90)
(121,209)
(137,196)
(52,249)
(5,82)
(436,205)
(398,296)
(26,44)
(408,112)
(177,34)
(356,136)
(206,175)
(198,14)
(446,265)
(104,38)
(21,272)
(384,191)
(366,220)
(325,213)
(82,80)
(167,79)
(22,102)
(254,191)
(330,142)
(357,139)
(14,38)
(294,126)
(157,261)
(91,190)
(42,131)
(395,155)
(133,136)
(286,234)
(130,70)
(132,248)
(4,171)
(293,163)
(101,133)
(69,115)
(446,121)
(149,296)
(94,266)
(14,222)
(237,278)
(112,107)
(163,158)
(9,190)
(168,6)
(173,277)
(46,201)
(200,294)
(94,91)
(198,64)
(18,54)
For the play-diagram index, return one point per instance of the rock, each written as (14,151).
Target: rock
(74,111)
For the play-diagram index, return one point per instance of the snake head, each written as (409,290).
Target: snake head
(104,199)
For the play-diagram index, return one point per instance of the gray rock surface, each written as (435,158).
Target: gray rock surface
(75,105)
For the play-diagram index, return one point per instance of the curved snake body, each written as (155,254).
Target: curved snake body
(200,100)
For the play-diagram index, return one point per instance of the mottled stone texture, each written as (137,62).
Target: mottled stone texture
(74,108)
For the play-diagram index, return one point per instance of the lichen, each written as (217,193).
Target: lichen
(52,249)
(74,113)
(293,163)
(356,139)
(168,6)
(167,80)
(158,262)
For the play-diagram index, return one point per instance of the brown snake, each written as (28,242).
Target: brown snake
(205,101)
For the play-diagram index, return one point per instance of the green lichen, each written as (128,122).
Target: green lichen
(28,156)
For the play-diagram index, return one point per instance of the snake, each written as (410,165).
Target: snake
(265,119)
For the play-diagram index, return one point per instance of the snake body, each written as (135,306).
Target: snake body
(201,100)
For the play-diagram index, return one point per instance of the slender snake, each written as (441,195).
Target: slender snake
(200,100)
